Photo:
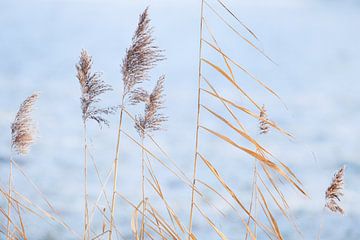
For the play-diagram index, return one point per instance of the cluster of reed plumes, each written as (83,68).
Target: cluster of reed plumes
(160,221)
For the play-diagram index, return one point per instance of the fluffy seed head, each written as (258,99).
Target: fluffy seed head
(23,129)
(141,56)
(92,86)
(263,121)
(151,120)
(334,192)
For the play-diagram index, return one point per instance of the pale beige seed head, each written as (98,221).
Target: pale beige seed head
(23,128)
(152,119)
(92,86)
(141,56)
(334,192)
(263,121)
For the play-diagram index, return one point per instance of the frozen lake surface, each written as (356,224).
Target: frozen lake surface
(315,44)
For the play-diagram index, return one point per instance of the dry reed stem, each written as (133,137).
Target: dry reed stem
(197,121)
(92,87)
(149,122)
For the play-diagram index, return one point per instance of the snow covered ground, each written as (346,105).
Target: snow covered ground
(315,44)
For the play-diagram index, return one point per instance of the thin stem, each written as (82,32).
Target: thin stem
(142,190)
(321,223)
(86,213)
(197,122)
(8,235)
(253,200)
(116,160)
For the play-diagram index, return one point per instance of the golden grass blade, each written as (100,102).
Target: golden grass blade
(223,183)
(215,41)
(253,200)
(272,219)
(281,208)
(150,220)
(23,232)
(232,207)
(232,14)
(238,33)
(217,48)
(163,223)
(157,187)
(247,111)
(243,134)
(234,196)
(218,232)
(218,194)
(259,157)
(134,221)
(248,151)
(158,224)
(222,72)
(225,105)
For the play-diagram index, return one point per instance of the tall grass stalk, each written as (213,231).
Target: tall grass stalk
(116,162)
(8,230)
(92,86)
(86,209)
(197,121)
(140,58)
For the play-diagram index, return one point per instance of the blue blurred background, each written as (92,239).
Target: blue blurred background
(314,43)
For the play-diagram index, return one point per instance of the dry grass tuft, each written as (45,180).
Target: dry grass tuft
(23,129)
(92,86)
(334,192)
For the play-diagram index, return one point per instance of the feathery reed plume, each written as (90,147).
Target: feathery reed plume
(151,120)
(263,121)
(335,191)
(22,136)
(92,87)
(22,129)
(141,56)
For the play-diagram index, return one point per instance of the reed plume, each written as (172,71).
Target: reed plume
(334,192)
(151,120)
(23,129)
(263,121)
(142,55)
(92,86)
